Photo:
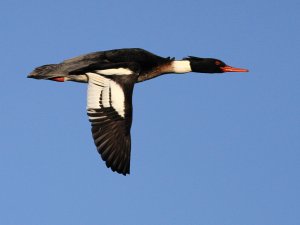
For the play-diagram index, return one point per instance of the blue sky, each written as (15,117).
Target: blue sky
(206,149)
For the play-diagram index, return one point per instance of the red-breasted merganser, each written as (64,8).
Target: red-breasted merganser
(111,76)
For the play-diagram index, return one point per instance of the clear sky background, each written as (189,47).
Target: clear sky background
(206,149)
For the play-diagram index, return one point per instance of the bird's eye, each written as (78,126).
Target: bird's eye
(218,63)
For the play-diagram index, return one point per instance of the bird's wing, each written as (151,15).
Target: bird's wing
(109,108)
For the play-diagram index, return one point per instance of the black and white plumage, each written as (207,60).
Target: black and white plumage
(111,76)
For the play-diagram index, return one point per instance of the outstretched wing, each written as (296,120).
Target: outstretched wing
(109,108)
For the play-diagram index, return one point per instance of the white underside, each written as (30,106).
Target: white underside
(105,93)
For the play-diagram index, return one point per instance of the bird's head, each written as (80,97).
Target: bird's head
(209,65)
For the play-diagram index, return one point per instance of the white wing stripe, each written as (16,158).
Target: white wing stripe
(105,93)
(105,99)
(117,98)
(118,71)
(94,90)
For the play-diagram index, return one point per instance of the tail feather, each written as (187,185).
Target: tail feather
(45,71)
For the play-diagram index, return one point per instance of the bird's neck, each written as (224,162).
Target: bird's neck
(181,66)
(176,66)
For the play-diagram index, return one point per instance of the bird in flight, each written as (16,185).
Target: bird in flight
(111,76)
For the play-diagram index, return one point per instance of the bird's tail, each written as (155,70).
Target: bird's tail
(45,71)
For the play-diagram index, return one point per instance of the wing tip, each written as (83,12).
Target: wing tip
(114,145)
(123,171)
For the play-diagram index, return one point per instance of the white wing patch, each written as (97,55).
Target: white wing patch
(118,71)
(117,98)
(105,93)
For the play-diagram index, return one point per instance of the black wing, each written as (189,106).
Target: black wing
(109,107)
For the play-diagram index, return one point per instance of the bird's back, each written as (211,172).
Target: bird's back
(146,60)
(137,55)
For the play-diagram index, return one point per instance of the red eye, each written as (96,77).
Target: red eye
(218,63)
